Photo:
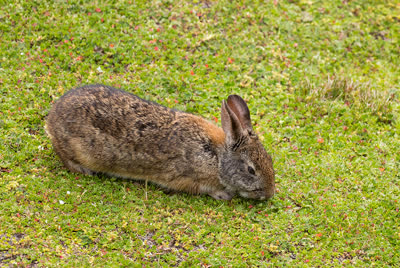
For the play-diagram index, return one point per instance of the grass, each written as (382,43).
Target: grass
(322,82)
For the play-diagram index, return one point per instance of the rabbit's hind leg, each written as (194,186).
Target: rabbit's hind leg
(75,167)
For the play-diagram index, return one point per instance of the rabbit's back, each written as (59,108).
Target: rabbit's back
(101,129)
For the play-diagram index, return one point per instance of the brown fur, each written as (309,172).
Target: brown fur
(215,133)
(101,129)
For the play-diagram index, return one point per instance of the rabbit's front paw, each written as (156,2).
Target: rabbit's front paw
(222,195)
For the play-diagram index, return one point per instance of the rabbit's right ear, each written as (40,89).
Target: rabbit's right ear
(235,119)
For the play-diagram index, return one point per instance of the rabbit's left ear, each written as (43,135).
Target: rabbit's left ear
(235,119)
(239,107)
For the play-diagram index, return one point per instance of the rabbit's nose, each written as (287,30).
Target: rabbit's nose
(269,193)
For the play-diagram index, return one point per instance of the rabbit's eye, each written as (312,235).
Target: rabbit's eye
(251,170)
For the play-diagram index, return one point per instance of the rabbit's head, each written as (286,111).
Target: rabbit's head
(245,167)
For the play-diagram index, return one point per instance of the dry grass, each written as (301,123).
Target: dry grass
(359,95)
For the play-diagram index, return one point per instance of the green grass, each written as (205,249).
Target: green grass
(322,82)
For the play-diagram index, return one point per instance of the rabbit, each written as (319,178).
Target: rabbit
(100,129)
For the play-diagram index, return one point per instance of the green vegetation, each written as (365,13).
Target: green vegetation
(322,82)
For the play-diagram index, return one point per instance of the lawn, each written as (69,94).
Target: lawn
(322,80)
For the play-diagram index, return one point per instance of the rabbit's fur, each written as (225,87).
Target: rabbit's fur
(98,128)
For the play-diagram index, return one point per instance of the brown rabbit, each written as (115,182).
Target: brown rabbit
(98,128)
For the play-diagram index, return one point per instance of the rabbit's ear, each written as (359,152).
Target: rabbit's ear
(230,124)
(240,109)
